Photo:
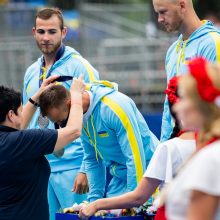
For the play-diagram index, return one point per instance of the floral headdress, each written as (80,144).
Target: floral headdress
(171,90)
(206,89)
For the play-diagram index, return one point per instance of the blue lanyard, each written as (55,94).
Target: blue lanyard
(43,74)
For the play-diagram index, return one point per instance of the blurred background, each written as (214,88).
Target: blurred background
(120,38)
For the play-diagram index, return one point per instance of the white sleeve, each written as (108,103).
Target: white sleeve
(203,171)
(161,164)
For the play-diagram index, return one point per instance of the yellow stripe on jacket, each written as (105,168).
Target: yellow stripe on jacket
(216,37)
(130,133)
(87,66)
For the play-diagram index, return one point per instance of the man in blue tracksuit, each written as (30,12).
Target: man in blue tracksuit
(58,59)
(114,135)
(197,38)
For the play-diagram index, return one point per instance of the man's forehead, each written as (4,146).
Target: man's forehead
(53,22)
(163,2)
(55,110)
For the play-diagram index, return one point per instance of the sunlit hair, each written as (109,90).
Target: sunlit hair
(53,97)
(209,110)
(47,13)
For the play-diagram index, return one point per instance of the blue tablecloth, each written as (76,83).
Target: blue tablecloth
(61,216)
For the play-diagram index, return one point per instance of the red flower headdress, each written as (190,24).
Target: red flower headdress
(205,87)
(171,90)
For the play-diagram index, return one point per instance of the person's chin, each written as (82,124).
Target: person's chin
(47,51)
(169,30)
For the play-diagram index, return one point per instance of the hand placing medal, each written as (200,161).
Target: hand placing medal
(43,122)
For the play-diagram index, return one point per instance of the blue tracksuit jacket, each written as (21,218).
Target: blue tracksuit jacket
(205,42)
(115,135)
(71,63)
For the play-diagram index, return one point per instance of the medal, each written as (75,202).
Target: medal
(43,122)
(58,153)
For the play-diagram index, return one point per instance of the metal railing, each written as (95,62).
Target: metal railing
(119,50)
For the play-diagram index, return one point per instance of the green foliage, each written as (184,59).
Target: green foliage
(207,7)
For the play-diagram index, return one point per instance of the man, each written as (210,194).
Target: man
(115,135)
(197,38)
(58,59)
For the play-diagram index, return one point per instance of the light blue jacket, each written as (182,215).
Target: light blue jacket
(205,42)
(115,135)
(70,64)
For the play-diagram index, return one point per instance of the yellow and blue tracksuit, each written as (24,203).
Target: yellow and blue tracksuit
(205,41)
(70,63)
(115,135)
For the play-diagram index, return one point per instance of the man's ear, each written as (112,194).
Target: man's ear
(182,4)
(64,32)
(68,102)
(33,31)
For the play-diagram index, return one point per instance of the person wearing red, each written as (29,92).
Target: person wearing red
(199,107)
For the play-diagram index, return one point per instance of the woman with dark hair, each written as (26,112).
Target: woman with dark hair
(161,169)
(24,169)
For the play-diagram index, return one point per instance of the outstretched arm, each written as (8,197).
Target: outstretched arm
(73,128)
(30,107)
(135,198)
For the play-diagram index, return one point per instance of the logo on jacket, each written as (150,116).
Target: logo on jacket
(187,59)
(103,134)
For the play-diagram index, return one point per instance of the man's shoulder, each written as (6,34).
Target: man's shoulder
(71,50)
(33,67)
(118,104)
(73,58)
(209,34)
(71,54)
(208,45)
(174,43)
(211,38)
(172,47)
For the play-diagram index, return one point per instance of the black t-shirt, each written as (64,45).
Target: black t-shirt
(24,173)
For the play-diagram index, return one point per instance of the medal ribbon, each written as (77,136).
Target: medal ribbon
(43,71)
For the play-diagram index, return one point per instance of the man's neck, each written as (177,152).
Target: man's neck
(190,24)
(49,60)
(86,101)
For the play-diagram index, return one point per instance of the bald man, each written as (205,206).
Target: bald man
(197,38)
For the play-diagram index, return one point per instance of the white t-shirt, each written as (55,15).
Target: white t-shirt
(168,157)
(201,173)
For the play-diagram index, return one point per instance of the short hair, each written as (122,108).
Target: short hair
(10,99)
(53,97)
(47,13)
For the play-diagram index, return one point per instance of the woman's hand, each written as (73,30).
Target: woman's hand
(30,107)
(88,210)
(78,85)
(45,84)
